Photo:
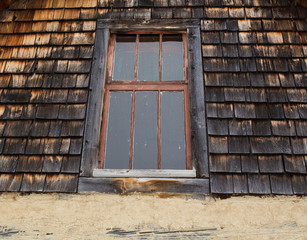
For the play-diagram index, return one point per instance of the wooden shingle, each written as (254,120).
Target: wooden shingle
(8,164)
(10,182)
(221,183)
(52,164)
(258,184)
(33,183)
(295,164)
(281,184)
(29,164)
(61,183)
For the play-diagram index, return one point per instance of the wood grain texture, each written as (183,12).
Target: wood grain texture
(144,185)
(94,108)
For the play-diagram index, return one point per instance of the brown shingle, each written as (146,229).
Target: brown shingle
(40,129)
(52,164)
(299,183)
(221,183)
(270,164)
(52,146)
(76,111)
(14,146)
(270,145)
(281,184)
(43,15)
(35,146)
(10,182)
(61,183)
(17,129)
(259,184)
(8,164)
(47,111)
(225,163)
(72,128)
(30,164)
(71,164)
(295,164)
(33,183)
(218,145)
(65,146)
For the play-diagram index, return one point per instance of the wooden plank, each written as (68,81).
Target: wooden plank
(143,173)
(259,184)
(221,183)
(153,24)
(10,182)
(281,184)
(33,182)
(144,185)
(61,183)
(197,106)
(94,108)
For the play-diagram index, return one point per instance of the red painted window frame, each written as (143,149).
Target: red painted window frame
(135,85)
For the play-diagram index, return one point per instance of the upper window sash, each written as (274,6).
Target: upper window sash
(143,58)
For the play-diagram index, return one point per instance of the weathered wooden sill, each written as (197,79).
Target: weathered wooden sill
(144,185)
(139,173)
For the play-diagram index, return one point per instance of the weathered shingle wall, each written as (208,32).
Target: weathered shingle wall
(254,58)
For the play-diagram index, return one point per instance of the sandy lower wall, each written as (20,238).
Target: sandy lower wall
(110,216)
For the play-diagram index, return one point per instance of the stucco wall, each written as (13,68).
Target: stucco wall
(110,216)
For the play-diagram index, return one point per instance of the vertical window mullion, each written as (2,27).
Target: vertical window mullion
(136,57)
(187,127)
(111,58)
(159,129)
(185,56)
(160,58)
(104,126)
(132,130)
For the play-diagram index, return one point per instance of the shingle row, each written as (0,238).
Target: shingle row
(256,111)
(259,127)
(259,183)
(234,163)
(38,182)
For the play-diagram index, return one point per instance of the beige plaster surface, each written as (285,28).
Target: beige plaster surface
(139,216)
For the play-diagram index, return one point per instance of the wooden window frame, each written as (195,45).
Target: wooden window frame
(89,179)
(135,85)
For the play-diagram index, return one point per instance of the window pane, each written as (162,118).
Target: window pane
(145,131)
(148,66)
(118,131)
(172,58)
(172,131)
(124,57)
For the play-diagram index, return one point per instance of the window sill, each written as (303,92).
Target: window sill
(153,173)
(144,185)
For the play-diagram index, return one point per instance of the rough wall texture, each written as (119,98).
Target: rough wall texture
(110,216)
(254,58)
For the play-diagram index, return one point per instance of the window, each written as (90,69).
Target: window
(146,105)
(163,78)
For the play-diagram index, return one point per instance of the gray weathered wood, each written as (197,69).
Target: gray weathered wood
(92,132)
(139,173)
(144,185)
(198,120)
(95,103)
(154,24)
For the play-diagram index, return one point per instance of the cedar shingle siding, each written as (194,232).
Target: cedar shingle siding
(254,61)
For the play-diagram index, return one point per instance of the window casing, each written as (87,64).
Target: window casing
(91,178)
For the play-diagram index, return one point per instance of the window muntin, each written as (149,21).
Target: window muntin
(158,103)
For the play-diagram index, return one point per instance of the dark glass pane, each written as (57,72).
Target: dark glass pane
(124,57)
(148,66)
(145,131)
(172,58)
(118,131)
(172,131)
